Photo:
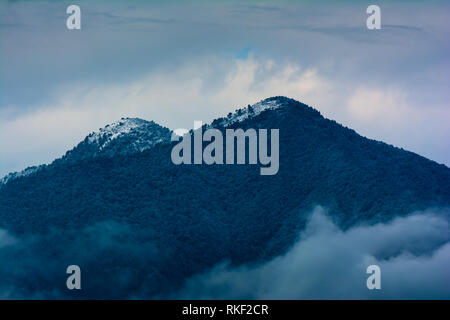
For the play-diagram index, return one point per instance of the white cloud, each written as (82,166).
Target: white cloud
(385,106)
(391,115)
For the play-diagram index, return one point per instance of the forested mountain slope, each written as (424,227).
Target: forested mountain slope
(163,222)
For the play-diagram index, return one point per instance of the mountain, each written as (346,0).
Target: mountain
(126,136)
(117,204)
(129,135)
(18,174)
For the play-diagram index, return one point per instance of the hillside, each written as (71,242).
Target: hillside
(162,223)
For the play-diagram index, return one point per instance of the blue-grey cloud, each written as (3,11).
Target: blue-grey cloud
(125,261)
(328,263)
(115,260)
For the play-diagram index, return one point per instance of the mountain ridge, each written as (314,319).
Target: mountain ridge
(142,134)
(125,136)
(137,132)
(184,219)
(302,127)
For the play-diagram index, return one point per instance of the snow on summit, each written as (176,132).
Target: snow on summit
(131,135)
(128,135)
(124,126)
(251,111)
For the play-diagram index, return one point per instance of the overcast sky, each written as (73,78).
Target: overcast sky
(176,62)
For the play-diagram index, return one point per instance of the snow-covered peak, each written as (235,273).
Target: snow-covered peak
(131,135)
(126,136)
(250,111)
(105,135)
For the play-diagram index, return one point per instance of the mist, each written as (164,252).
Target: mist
(119,260)
(327,263)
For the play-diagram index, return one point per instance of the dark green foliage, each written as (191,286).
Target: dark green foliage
(197,215)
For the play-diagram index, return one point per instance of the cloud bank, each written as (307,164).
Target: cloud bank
(327,263)
(115,260)
(122,261)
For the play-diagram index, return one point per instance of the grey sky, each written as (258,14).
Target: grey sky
(176,62)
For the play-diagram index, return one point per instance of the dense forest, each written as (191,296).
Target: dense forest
(140,225)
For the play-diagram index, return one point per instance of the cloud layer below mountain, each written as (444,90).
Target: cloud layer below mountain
(327,263)
(118,261)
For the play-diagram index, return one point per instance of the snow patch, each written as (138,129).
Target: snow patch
(107,134)
(250,112)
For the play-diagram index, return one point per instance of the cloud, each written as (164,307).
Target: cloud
(367,104)
(328,263)
(391,115)
(120,260)
(34,266)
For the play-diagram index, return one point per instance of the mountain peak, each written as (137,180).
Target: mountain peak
(18,174)
(181,210)
(131,135)
(125,136)
(248,112)
(272,103)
